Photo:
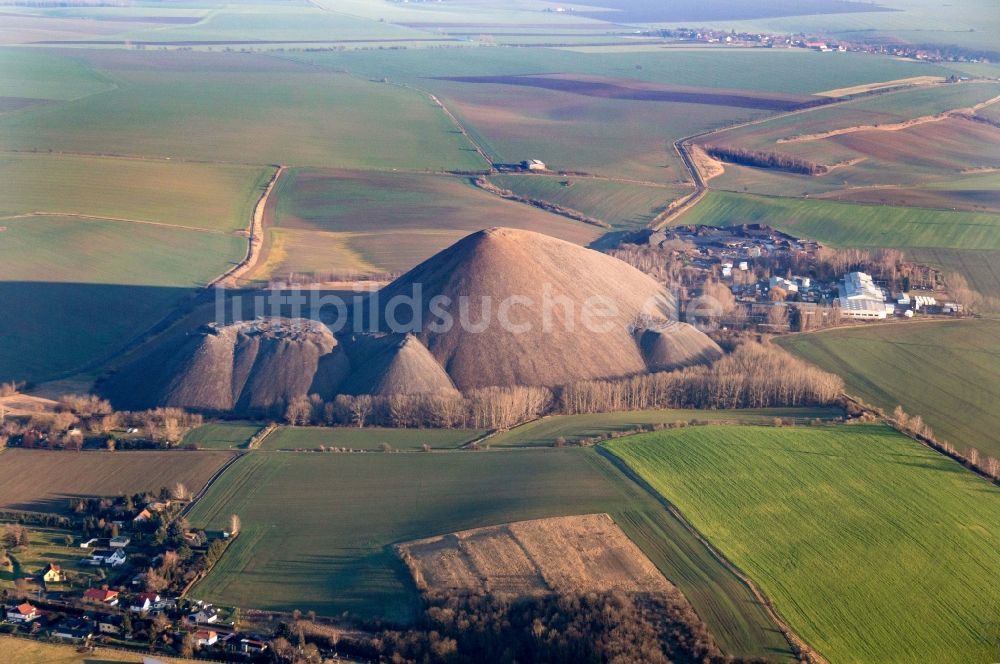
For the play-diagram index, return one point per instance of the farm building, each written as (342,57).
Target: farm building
(534,165)
(860,298)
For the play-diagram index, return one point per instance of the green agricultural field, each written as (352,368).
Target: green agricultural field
(318,529)
(893,545)
(367,438)
(210,196)
(771,70)
(31,74)
(222,435)
(242,108)
(851,224)
(79,289)
(572,428)
(339,222)
(948,373)
(621,204)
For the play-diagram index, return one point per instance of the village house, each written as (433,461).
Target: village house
(143,516)
(205,637)
(144,602)
(108,597)
(119,542)
(206,614)
(23,613)
(252,646)
(53,574)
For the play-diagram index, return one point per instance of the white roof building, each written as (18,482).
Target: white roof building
(861,298)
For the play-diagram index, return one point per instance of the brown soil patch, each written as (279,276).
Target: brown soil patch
(44,481)
(708,166)
(627,89)
(588,553)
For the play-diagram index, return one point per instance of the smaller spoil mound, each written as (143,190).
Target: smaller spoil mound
(249,367)
(395,364)
(675,345)
(588,553)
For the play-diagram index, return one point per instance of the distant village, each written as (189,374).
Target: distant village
(785,283)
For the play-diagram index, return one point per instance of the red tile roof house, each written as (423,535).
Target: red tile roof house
(205,637)
(109,597)
(23,613)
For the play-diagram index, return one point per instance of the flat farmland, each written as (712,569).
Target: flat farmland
(44,481)
(852,224)
(28,650)
(242,108)
(572,428)
(367,438)
(894,544)
(623,205)
(350,221)
(82,288)
(980,268)
(791,71)
(892,149)
(222,435)
(318,529)
(31,74)
(948,373)
(210,196)
(571,132)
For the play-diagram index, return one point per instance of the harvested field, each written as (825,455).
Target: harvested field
(586,553)
(609,88)
(946,372)
(44,481)
(868,87)
(873,547)
(30,650)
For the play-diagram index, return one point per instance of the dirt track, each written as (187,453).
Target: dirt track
(255,241)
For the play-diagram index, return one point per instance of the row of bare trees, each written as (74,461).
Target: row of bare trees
(914,425)
(486,408)
(753,376)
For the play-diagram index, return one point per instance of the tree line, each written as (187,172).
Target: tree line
(765,159)
(752,376)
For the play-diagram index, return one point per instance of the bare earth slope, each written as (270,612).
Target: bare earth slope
(573,319)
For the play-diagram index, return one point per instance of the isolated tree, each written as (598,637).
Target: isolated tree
(361,408)
(973,456)
(187,645)
(180,492)
(234,525)
(992,466)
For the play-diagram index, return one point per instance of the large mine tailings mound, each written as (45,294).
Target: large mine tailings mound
(500,263)
(573,314)
(249,367)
